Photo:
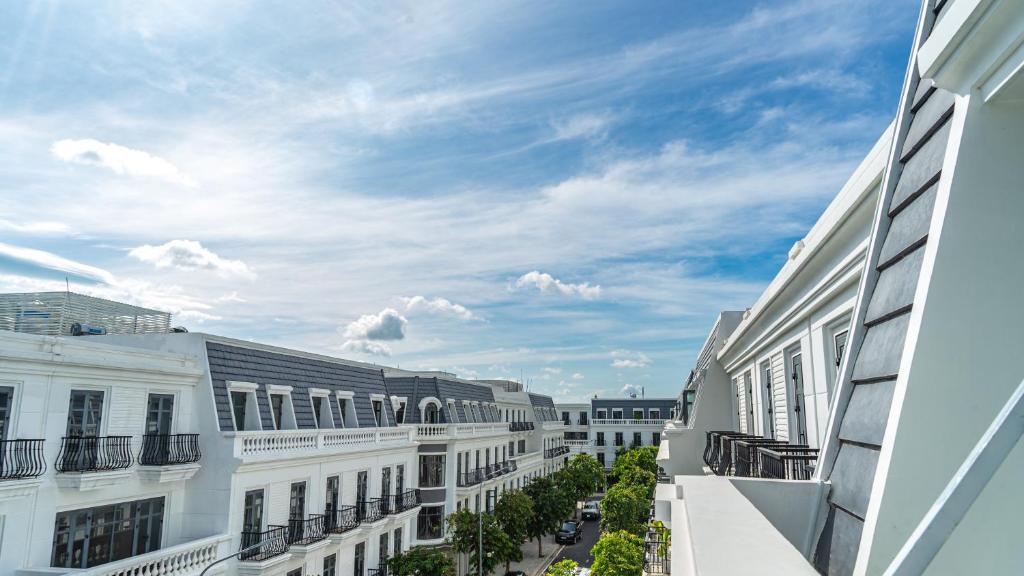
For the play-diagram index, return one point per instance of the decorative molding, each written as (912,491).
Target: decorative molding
(279,389)
(236,386)
(84,481)
(160,474)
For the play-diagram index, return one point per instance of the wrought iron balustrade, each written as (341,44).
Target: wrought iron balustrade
(372,510)
(267,543)
(94,453)
(787,463)
(745,461)
(21,459)
(657,555)
(405,501)
(305,531)
(169,449)
(342,519)
(735,454)
(470,478)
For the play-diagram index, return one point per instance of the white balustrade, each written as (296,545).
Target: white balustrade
(451,431)
(628,422)
(186,559)
(298,443)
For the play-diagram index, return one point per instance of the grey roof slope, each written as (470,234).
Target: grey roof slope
(416,388)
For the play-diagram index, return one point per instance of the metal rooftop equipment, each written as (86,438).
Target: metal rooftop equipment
(68,313)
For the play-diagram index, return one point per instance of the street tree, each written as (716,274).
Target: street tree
(625,507)
(564,568)
(550,506)
(618,554)
(514,512)
(418,561)
(640,478)
(643,457)
(464,529)
(585,475)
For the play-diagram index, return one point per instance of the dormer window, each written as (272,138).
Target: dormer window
(400,413)
(281,406)
(244,413)
(451,411)
(377,403)
(346,409)
(602,414)
(320,401)
(616,414)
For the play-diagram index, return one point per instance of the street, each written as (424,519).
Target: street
(580,552)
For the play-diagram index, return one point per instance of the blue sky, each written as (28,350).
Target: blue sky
(568,191)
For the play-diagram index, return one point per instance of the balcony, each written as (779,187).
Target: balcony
(380,570)
(579,443)
(188,558)
(657,554)
(521,426)
(342,520)
(88,462)
(372,510)
(267,445)
(169,457)
(745,455)
(407,500)
(659,422)
(556,452)
(260,546)
(554,425)
(441,432)
(307,531)
(488,472)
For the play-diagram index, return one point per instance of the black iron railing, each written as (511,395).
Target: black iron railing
(520,426)
(787,463)
(745,461)
(305,531)
(380,570)
(21,459)
(94,453)
(169,449)
(372,510)
(268,543)
(404,501)
(657,555)
(342,519)
(556,451)
(470,478)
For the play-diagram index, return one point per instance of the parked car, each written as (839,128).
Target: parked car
(591,511)
(515,573)
(570,532)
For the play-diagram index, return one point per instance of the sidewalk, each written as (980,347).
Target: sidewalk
(531,564)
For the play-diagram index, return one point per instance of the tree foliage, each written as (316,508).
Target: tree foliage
(514,512)
(463,535)
(419,561)
(618,554)
(643,457)
(564,568)
(551,505)
(584,476)
(640,478)
(625,507)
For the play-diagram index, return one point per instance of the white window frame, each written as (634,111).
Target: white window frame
(319,418)
(654,414)
(350,408)
(383,412)
(467,408)
(398,402)
(452,410)
(602,414)
(252,410)
(619,417)
(287,406)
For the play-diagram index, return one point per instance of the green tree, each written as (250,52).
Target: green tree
(550,507)
(618,554)
(640,478)
(564,568)
(464,536)
(643,457)
(584,476)
(514,511)
(419,561)
(625,507)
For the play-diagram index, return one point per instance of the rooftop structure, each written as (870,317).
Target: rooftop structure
(71,314)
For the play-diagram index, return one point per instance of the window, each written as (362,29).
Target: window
(467,409)
(321,404)
(840,347)
(330,565)
(382,551)
(565,417)
(452,414)
(281,407)
(583,418)
(638,414)
(359,560)
(399,478)
(430,522)
(346,409)
(93,536)
(522,446)
(252,514)
(297,503)
(295,572)
(431,471)
(616,414)
(600,438)
(768,401)
(6,401)
(361,487)
(332,500)
(600,458)
(277,409)
(655,414)
(602,414)
(400,413)
(655,438)
(159,414)
(385,481)
(637,440)
(85,413)
(398,540)
(797,363)
(618,438)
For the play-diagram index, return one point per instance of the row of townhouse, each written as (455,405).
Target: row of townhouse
(601,427)
(865,415)
(162,452)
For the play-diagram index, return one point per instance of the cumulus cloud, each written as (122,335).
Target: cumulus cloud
(387,324)
(367,347)
(120,159)
(627,359)
(547,283)
(438,305)
(630,389)
(578,376)
(190,255)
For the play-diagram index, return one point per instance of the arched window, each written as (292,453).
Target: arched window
(431,414)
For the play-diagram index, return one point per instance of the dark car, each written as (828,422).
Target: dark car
(515,573)
(570,532)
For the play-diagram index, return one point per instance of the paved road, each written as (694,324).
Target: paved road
(580,552)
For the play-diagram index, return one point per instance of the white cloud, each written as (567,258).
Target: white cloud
(582,126)
(54,262)
(438,305)
(578,376)
(366,347)
(547,283)
(190,255)
(388,324)
(630,389)
(120,159)
(36,227)
(627,359)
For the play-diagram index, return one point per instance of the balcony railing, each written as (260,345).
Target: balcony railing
(341,520)
(265,544)
(372,510)
(305,531)
(169,449)
(657,555)
(556,451)
(470,478)
(404,501)
(736,454)
(188,558)
(453,431)
(21,459)
(279,444)
(521,426)
(628,422)
(380,570)
(94,453)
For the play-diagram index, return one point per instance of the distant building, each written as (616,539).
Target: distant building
(603,426)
